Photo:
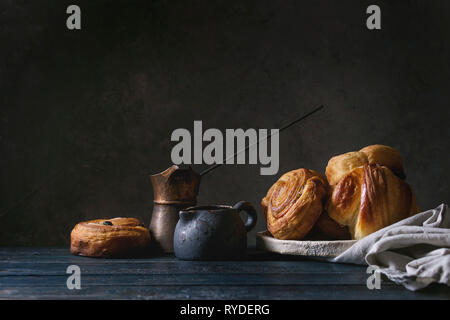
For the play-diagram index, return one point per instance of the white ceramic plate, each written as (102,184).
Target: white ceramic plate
(319,249)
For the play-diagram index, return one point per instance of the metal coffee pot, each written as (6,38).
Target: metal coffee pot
(174,189)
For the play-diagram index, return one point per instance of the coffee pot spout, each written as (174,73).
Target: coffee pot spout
(175,185)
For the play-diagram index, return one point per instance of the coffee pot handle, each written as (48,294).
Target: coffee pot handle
(251,213)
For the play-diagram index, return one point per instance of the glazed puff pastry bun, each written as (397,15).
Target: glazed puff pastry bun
(294,203)
(340,165)
(369,198)
(109,238)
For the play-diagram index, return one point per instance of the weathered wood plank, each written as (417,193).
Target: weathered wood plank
(16,251)
(51,253)
(180,267)
(40,273)
(189,279)
(222,292)
(87,260)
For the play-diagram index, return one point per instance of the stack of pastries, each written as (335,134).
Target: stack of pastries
(364,191)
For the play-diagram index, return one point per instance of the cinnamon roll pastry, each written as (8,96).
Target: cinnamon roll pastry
(340,165)
(369,198)
(109,238)
(294,203)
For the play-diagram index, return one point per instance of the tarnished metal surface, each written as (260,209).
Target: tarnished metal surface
(173,189)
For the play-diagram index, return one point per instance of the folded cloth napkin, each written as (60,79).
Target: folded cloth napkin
(413,252)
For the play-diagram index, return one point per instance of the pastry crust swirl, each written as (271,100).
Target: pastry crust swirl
(294,203)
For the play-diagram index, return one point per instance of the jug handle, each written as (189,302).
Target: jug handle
(251,213)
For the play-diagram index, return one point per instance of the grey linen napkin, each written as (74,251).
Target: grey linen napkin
(413,252)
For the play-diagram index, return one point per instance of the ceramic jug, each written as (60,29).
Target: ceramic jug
(213,232)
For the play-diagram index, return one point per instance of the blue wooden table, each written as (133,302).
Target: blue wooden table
(40,273)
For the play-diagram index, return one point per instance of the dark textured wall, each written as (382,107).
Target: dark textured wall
(87,115)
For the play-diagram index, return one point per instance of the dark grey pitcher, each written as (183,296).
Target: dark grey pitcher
(213,232)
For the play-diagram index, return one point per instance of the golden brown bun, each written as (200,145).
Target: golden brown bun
(369,198)
(340,165)
(331,229)
(294,203)
(96,238)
